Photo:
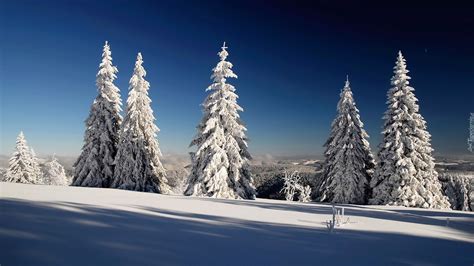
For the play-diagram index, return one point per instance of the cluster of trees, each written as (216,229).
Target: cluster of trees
(24,167)
(457,187)
(404,173)
(124,153)
(121,152)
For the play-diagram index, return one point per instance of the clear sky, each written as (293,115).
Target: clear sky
(291,58)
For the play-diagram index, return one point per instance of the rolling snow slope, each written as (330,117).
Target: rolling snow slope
(47,225)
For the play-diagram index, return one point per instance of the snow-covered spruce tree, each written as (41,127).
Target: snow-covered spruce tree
(405,173)
(95,165)
(348,159)
(137,165)
(220,164)
(21,169)
(36,168)
(54,173)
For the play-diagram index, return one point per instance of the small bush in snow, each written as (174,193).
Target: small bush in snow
(54,173)
(292,187)
(305,194)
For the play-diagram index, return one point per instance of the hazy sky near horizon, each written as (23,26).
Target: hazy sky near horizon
(291,59)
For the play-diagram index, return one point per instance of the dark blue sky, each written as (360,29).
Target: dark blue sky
(291,58)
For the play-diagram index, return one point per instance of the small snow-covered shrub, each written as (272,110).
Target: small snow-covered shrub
(305,194)
(292,187)
(54,173)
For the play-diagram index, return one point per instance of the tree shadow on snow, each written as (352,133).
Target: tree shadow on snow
(65,233)
(422,216)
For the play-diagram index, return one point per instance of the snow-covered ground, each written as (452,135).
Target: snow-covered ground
(47,225)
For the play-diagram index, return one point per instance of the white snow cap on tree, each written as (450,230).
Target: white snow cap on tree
(349,162)
(405,173)
(95,165)
(22,165)
(54,173)
(220,164)
(138,166)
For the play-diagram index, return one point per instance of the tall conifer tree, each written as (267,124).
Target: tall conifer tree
(138,165)
(405,173)
(95,165)
(349,162)
(220,163)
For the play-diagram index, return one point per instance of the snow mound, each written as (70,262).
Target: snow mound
(52,225)
(310,162)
